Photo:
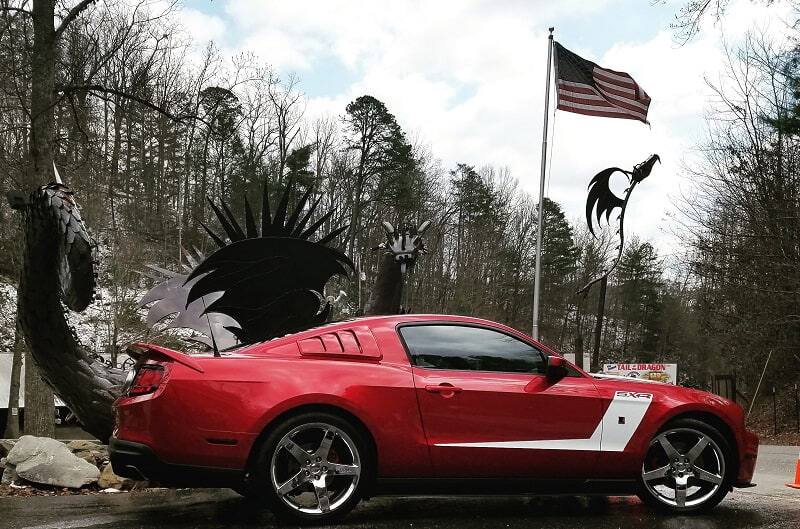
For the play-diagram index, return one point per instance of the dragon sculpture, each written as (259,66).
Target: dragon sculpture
(261,283)
(258,284)
(402,248)
(603,201)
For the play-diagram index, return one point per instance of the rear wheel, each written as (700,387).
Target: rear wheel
(312,468)
(688,468)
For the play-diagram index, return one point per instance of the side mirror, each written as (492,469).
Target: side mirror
(556,367)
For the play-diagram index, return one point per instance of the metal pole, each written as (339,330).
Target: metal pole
(598,328)
(538,272)
(796,409)
(753,400)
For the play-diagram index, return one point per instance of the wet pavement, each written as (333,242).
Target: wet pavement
(770,505)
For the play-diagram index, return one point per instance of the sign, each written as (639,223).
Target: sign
(5,384)
(659,372)
(587,360)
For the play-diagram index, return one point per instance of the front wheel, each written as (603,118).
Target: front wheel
(687,468)
(312,468)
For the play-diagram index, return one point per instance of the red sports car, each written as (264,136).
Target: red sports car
(313,422)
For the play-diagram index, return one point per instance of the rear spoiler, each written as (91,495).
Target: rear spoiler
(140,350)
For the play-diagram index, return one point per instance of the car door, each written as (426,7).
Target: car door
(488,410)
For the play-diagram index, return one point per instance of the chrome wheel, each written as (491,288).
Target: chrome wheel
(315,468)
(683,468)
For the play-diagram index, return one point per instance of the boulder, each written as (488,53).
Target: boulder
(49,462)
(5,446)
(109,480)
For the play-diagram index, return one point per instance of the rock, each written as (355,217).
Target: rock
(95,457)
(109,480)
(49,462)
(81,445)
(89,451)
(86,456)
(9,476)
(5,446)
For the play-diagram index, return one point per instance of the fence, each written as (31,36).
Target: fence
(779,407)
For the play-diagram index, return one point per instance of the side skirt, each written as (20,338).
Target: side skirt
(505,486)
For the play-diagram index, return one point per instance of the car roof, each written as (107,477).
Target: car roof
(390,319)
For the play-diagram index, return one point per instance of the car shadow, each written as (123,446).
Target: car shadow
(464,512)
(224,509)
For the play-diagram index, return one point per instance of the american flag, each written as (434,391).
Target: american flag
(585,88)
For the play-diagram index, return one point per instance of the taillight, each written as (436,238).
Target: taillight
(147,379)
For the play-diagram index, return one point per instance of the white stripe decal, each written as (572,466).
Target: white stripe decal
(598,108)
(622,78)
(608,436)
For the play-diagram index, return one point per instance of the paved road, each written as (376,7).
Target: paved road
(770,505)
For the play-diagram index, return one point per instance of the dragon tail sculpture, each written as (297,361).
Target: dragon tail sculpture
(257,285)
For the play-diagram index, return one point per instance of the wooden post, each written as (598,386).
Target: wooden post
(12,428)
(774,413)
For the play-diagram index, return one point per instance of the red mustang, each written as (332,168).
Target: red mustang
(313,422)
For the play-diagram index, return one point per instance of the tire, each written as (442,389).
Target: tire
(312,468)
(688,468)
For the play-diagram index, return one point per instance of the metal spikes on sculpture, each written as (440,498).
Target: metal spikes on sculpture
(405,244)
(602,200)
(170,298)
(263,281)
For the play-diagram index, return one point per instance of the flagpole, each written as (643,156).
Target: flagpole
(538,272)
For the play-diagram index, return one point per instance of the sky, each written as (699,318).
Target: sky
(467,77)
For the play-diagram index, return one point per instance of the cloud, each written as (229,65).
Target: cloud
(468,76)
(201,26)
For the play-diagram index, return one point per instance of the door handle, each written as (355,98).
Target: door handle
(443,388)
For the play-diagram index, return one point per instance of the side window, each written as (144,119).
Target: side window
(470,348)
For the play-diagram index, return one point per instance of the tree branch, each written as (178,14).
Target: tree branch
(16,10)
(179,118)
(73,14)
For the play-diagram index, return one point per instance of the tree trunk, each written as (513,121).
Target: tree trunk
(39,406)
(12,423)
(38,397)
(88,387)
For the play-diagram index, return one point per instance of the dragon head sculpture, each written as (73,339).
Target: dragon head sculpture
(405,243)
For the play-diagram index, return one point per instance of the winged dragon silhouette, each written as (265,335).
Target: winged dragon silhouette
(602,200)
(263,281)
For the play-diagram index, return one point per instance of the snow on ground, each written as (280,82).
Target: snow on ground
(94,327)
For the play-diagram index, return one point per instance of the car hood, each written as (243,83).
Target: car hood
(604,376)
(662,388)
